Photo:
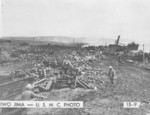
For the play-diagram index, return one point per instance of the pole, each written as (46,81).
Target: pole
(143,55)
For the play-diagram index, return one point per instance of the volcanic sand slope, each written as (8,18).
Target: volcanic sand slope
(132,84)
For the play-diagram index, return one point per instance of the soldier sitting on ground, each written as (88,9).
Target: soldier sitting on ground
(28,94)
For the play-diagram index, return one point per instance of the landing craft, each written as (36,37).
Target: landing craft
(122,47)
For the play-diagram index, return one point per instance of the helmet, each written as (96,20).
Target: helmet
(110,67)
(29,87)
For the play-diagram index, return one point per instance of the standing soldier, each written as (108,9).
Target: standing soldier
(111,75)
(67,66)
(55,64)
(119,58)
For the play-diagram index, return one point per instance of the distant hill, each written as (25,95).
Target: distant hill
(62,39)
(59,40)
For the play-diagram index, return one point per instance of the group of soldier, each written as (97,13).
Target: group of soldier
(28,94)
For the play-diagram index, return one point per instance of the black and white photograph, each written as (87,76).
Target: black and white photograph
(74,57)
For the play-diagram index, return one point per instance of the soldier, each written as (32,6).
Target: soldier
(67,66)
(28,94)
(119,58)
(55,64)
(41,73)
(61,74)
(111,75)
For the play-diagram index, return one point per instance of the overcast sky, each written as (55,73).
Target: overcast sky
(77,18)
